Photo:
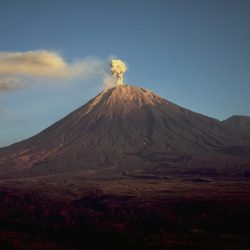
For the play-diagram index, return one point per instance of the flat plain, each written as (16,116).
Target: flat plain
(105,209)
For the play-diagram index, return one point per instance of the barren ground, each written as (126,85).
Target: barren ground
(89,210)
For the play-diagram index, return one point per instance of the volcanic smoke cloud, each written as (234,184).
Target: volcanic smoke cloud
(19,70)
(118,68)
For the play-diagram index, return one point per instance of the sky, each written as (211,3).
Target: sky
(54,56)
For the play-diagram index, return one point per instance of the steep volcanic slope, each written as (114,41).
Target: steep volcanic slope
(125,126)
(240,123)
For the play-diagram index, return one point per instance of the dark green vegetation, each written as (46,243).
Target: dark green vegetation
(94,210)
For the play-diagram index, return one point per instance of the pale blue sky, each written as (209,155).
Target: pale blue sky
(195,53)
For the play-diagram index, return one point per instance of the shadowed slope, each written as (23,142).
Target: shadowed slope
(124,126)
(240,123)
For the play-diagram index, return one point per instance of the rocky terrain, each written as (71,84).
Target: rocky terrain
(133,129)
(128,170)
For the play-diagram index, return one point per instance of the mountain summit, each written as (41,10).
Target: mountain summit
(129,128)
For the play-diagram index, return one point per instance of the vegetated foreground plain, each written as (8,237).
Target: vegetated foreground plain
(104,210)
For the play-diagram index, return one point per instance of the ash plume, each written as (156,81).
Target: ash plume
(33,67)
(19,70)
(11,84)
(118,68)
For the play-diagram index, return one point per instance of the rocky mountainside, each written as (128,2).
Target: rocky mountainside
(129,127)
(240,123)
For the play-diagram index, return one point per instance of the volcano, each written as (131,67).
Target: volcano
(131,128)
